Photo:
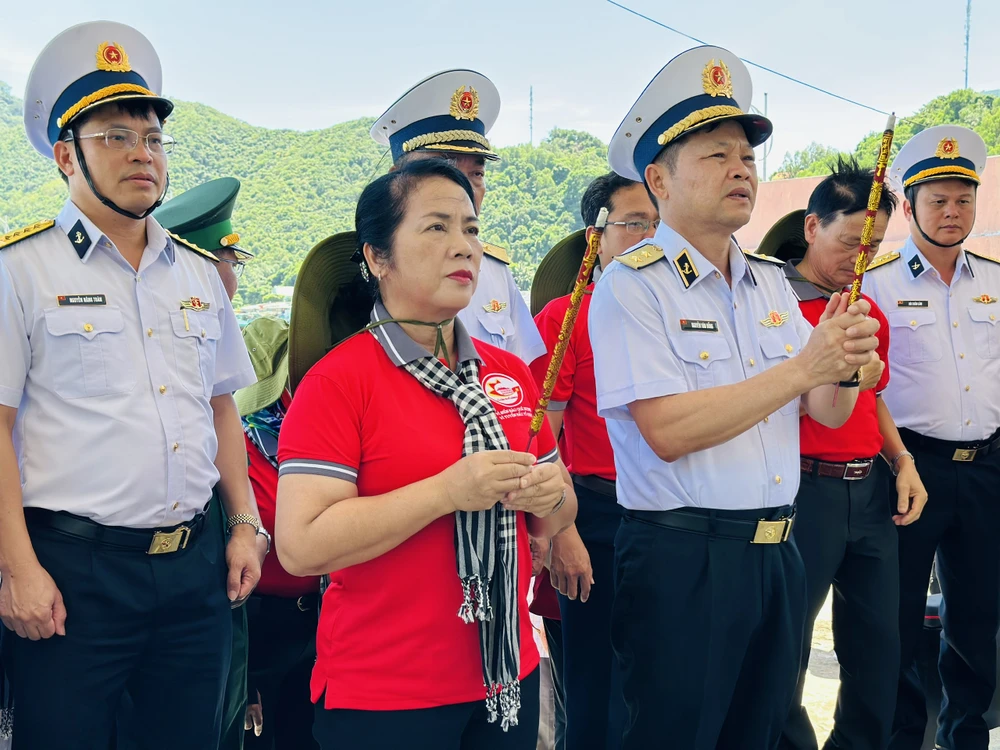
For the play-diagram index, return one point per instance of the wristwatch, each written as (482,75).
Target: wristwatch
(238,518)
(263,532)
(854,382)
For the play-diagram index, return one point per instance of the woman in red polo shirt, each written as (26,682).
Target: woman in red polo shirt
(402,476)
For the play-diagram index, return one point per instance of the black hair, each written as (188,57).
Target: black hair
(414,156)
(845,191)
(142,108)
(382,206)
(601,193)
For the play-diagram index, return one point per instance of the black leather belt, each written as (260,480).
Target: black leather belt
(597,484)
(761,531)
(850,471)
(150,541)
(955,450)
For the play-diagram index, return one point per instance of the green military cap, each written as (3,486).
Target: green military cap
(266,340)
(556,274)
(786,240)
(203,216)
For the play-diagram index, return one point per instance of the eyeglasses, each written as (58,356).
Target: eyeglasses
(238,265)
(636,227)
(123,139)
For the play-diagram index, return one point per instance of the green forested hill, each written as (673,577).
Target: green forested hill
(300,187)
(973,109)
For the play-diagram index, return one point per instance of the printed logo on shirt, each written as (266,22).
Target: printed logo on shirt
(699,325)
(503,390)
(912,303)
(68,300)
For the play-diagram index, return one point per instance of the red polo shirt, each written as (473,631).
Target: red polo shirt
(586,446)
(389,635)
(274,579)
(859,437)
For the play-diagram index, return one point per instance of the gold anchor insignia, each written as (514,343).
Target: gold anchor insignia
(686,269)
(916,265)
(79,238)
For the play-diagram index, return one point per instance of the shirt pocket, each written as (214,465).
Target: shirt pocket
(196,338)
(705,354)
(984,328)
(498,325)
(912,336)
(777,346)
(89,352)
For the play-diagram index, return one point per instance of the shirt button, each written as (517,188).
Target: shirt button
(203,334)
(777,480)
(968,421)
(704,355)
(788,348)
(163,389)
(913,322)
(502,331)
(993,317)
(961,356)
(149,332)
(718,275)
(955,324)
(751,362)
(88,328)
(736,306)
(177,447)
(968,387)
(766,420)
(175,506)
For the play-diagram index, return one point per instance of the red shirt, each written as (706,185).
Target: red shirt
(859,437)
(545,601)
(389,635)
(274,579)
(586,446)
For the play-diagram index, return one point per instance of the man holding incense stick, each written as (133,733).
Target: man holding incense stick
(845,522)
(709,589)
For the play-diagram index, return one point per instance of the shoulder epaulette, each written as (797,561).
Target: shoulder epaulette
(191,246)
(882,260)
(970,252)
(12,238)
(764,258)
(640,256)
(496,252)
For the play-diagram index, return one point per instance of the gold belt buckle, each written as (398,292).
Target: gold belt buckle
(964,454)
(165,542)
(772,532)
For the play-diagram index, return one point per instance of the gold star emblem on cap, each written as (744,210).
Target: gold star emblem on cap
(465,104)
(715,79)
(947,149)
(111,57)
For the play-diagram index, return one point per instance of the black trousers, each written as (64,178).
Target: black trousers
(961,523)
(553,639)
(159,625)
(282,635)
(847,539)
(708,635)
(462,726)
(595,708)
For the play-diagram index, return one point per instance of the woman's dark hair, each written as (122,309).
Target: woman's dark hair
(382,206)
(846,191)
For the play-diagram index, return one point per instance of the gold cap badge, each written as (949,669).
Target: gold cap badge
(947,149)
(111,57)
(715,79)
(465,104)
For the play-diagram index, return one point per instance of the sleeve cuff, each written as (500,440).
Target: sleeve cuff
(11,397)
(231,385)
(556,406)
(551,457)
(320,468)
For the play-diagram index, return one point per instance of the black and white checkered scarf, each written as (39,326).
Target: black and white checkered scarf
(485,543)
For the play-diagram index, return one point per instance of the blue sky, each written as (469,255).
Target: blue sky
(307,64)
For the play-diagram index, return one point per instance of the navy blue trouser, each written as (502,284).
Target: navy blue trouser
(961,523)
(708,635)
(595,709)
(159,625)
